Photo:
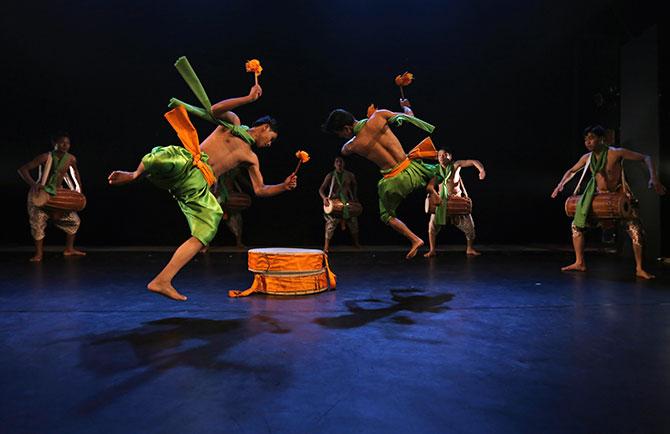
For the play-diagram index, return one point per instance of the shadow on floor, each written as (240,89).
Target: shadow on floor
(162,345)
(413,302)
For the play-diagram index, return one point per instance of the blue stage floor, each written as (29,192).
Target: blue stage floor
(502,343)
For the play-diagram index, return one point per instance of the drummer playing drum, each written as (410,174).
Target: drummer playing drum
(606,175)
(446,183)
(340,185)
(55,167)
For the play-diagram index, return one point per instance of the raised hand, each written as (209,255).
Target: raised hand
(255,92)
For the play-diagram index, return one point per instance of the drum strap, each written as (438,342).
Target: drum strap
(47,169)
(586,168)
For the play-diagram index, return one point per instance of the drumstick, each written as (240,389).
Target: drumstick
(302,157)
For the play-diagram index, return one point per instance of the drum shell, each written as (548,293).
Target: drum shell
(64,200)
(284,271)
(336,208)
(237,202)
(456,205)
(605,206)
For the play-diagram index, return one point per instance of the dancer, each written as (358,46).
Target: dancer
(341,184)
(448,178)
(607,175)
(189,171)
(402,173)
(59,166)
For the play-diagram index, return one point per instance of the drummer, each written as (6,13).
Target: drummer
(606,175)
(339,184)
(448,183)
(62,169)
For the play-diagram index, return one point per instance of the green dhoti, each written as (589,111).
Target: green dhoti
(171,168)
(392,191)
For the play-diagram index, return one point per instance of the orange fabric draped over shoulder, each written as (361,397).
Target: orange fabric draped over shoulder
(180,122)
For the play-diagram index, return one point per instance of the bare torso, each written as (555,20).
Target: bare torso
(377,143)
(347,185)
(610,178)
(226,151)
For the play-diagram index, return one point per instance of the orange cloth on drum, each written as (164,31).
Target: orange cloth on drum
(188,135)
(288,274)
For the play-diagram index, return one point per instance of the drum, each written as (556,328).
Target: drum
(287,271)
(237,202)
(456,205)
(336,207)
(605,206)
(64,200)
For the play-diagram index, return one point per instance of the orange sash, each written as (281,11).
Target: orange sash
(425,149)
(188,135)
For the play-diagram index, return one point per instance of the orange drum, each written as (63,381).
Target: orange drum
(456,205)
(286,271)
(64,200)
(605,206)
(336,207)
(237,202)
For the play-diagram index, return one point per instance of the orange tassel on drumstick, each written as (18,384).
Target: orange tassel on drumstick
(402,80)
(254,65)
(303,157)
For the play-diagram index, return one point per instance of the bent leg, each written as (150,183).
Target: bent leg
(162,283)
(433,230)
(401,228)
(636,234)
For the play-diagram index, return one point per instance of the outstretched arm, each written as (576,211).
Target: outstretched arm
(472,163)
(260,189)
(570,174)
(654,182)
(222,109)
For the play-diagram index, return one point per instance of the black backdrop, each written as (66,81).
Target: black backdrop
(510,84)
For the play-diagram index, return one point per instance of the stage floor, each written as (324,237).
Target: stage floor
(502,343)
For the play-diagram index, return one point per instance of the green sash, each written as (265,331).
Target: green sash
(398,120)
(443,175)
(584,205)
(191,79)
(56,175)
(339,178)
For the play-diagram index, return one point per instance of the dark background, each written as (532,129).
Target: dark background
(509,83)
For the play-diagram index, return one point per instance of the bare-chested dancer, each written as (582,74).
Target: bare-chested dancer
(605,164)
(183,173)
(373,139)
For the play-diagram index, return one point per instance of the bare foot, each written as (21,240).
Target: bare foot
(415,246)
(574,267)
(430,254)
(36,258)
(166,290)
(240,246)
(644,275)
(119,177)
(204,249)
(73,252)
(472,252)
(357,246)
